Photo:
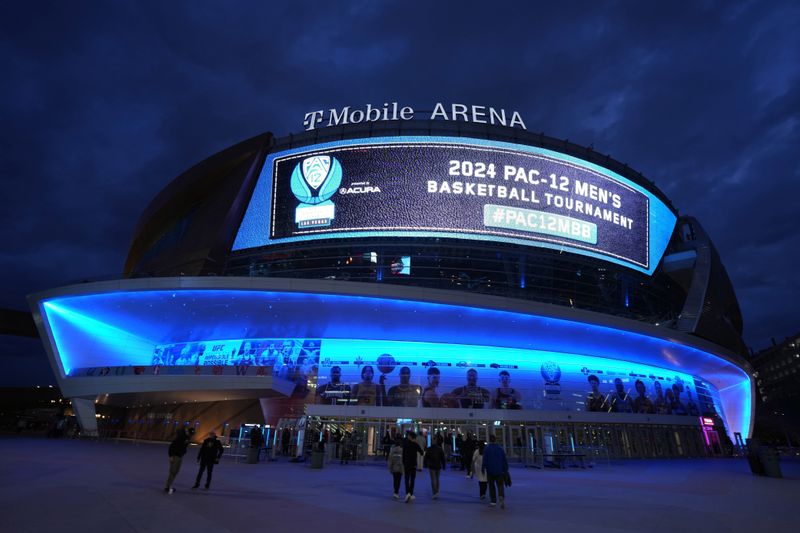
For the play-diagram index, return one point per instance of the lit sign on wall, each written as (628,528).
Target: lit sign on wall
(477,114)
(455,187)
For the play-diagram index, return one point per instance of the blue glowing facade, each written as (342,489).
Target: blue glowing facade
(125,328)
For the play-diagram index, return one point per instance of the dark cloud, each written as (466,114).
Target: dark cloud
(104,103)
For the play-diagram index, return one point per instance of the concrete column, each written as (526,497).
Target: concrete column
(85,413)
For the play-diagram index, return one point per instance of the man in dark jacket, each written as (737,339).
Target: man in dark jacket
(255,436)
(495,465)
(286,438)
(467,449)
(256,439)
(208,456)
(177,449)
(436,461)
(410,451)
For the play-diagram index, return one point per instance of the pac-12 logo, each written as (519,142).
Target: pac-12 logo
(314,180)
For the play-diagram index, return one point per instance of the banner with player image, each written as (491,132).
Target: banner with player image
(409,374)
(295,360)
(416,374)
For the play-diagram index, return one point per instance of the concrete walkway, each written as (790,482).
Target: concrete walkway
(63,485)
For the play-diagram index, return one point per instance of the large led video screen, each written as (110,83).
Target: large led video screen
(455,187)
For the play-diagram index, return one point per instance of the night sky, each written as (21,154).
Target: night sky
(102,104)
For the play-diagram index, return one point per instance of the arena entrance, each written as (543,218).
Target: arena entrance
(365,440)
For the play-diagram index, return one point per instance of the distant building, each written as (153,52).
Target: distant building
(777,377)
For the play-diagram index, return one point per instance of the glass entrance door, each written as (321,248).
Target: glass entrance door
(515,442)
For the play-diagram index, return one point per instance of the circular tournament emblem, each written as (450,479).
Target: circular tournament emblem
(551,372)
(315,179)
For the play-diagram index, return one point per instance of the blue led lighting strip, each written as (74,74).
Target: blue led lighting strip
(123,328)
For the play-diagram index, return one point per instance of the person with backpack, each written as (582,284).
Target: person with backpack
(435,461)
(395,463)
(495,465)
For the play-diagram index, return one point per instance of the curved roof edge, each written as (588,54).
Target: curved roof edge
(138,313)
(401,293)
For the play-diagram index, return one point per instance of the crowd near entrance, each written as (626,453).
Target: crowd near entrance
(364,440)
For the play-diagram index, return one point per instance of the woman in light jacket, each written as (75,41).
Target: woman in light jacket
(477,468)
(396,466)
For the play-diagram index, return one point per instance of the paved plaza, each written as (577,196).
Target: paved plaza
(68,485)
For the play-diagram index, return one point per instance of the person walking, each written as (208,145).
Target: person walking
(435,461)
(423,443)
(286,437)
(396,465)
(386,443)
(209,455)
(477,467)
(177,449)
(256,438)
(467,449)
(495,465)
(346,447)
(411,450)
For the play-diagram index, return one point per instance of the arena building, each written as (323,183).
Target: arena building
(442,276)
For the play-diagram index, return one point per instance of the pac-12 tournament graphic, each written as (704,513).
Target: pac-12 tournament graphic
(314,180)
(453,187)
